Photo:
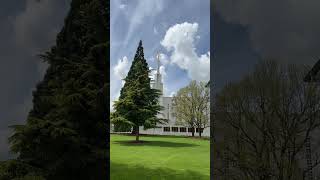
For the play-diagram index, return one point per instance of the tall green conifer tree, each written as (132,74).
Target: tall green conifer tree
(66,133)
(138,103)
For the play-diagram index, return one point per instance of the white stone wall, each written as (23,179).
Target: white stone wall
(167,113)
(160,131)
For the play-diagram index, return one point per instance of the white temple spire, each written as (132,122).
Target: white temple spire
(158,60)
(158,78)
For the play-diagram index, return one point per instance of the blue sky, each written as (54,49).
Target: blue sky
(178,29)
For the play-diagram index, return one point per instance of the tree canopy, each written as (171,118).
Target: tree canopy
(191,106)
(138,104)
(66,132)
(263,123)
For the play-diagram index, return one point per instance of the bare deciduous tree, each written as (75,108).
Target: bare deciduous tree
(266,119)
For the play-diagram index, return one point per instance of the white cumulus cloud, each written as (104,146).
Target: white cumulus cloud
(122,6)
(162,70)
(122,68)
(180,40)
(119,72)
(164,59)
(152,72)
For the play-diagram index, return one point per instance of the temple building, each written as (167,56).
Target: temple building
(171,128)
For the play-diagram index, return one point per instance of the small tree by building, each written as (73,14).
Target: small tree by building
(202,97)
(191,106)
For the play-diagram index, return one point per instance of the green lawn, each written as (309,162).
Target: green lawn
(159,158)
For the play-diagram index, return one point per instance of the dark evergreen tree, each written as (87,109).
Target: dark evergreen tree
(138,103)
(66,134)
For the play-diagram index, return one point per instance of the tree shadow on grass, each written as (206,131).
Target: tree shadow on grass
(125,172)
(155,143)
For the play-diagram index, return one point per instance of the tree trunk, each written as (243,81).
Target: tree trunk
(200,132)
(137,133)
(192,130)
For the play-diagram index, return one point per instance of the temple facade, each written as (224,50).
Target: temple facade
(170,128)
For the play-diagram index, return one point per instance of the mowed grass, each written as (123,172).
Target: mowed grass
(159,158)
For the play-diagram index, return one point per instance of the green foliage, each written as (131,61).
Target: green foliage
(30,177)
(17,170)
(191,105)
(120,124)
(66,130)
(138,102)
